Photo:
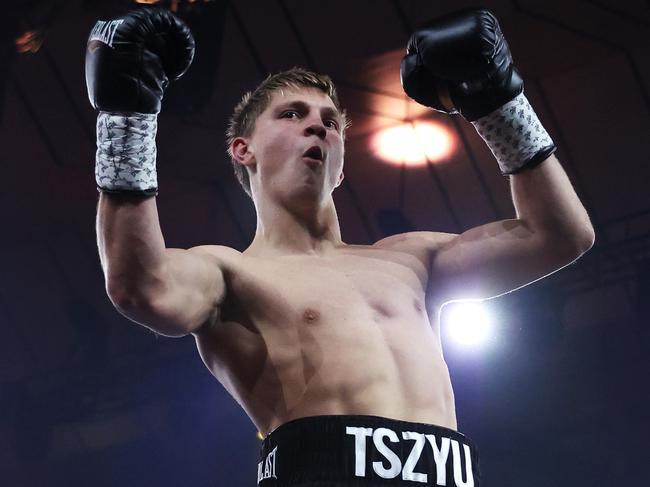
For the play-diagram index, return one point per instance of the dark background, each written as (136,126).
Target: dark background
(89,398)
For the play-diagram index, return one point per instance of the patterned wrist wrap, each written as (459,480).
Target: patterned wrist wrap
(515,136)
(126,153)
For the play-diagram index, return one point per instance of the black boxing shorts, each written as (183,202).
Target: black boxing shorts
(337,451)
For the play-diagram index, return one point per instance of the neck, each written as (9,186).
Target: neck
(283,231)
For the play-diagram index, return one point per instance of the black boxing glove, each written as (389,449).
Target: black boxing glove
(461,63)
(129,64)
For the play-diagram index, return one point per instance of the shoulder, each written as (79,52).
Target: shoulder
(226,258)
(420,245)
(410,241)
(216,250)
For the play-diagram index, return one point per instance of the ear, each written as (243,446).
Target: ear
(242,151)
(341,178)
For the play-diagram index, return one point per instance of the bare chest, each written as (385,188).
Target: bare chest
(288,291)
(304,335)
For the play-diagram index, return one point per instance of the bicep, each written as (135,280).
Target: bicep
(185,297)
(493,259)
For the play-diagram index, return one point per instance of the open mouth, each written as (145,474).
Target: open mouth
(314,152)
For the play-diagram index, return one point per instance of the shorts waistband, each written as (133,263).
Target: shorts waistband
(366,450)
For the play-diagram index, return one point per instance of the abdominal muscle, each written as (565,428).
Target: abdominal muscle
(333,363)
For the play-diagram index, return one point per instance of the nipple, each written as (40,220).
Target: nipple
(310,315)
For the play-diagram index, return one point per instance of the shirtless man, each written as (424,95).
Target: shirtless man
(332,349)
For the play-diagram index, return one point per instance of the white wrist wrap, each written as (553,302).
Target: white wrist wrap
(514,134)
(126,152)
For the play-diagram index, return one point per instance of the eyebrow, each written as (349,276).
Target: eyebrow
(301,105)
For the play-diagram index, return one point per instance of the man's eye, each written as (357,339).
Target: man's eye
(289,114)
(332,124)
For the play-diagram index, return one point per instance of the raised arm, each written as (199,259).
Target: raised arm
(130,61)
(171,291)
(552,229)
(461,63)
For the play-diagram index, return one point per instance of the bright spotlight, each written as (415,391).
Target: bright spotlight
(468,323)
(413,143)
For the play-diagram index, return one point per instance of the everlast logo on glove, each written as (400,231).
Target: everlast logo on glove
(405,466)
(126,79)
(104,32)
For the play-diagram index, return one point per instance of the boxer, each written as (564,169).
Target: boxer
(332,349)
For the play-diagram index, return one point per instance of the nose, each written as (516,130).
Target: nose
(317,129)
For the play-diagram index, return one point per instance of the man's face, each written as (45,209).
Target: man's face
(297,147)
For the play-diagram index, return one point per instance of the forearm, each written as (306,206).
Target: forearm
(545,200)
(130,242)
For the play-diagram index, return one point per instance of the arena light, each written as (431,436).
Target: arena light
(413,143)
(468,324)
(29,42)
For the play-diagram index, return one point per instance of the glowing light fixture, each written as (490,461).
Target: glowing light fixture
(413,143)
(29,42)
(468,323)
